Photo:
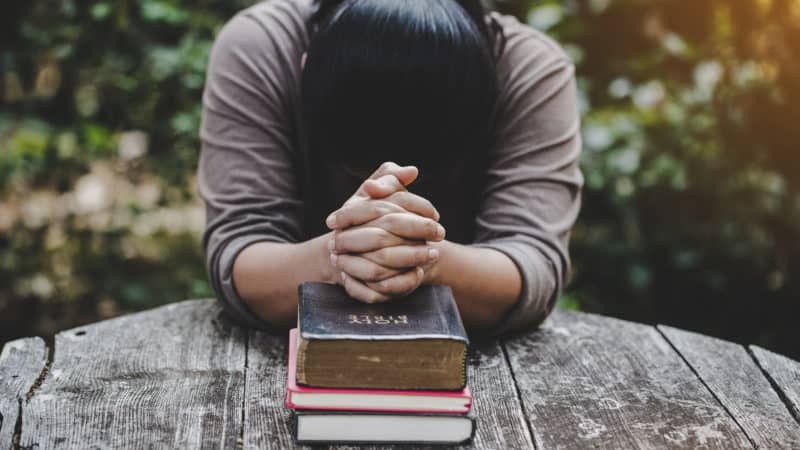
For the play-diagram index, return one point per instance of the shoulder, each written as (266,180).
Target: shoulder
(268,28)
(529,54)
(288,17)
(258,52)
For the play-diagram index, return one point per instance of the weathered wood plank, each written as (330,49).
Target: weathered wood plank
(500,422)
(267,421)
(21,363)
(591,381)
(784,373)
(171,377)
(731,374)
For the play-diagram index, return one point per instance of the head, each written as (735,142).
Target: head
(411,81)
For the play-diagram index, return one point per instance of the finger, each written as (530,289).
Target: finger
(406,174)
(364,239)
(360,291)
(409,226)
(403,256)
(362,268)
(361,212)
(399,285)
(383,186)
(414,203)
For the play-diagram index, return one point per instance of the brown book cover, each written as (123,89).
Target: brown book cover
(414,342)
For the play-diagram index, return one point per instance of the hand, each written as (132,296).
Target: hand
(387,256)
(380,238)
(386,180)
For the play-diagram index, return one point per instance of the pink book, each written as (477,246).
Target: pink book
(304,397)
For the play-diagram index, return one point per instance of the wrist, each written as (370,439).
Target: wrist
(326,272)
(433,270)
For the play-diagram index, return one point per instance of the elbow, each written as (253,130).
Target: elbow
(542,283)
(236,292)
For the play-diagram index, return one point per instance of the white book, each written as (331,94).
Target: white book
(382,428)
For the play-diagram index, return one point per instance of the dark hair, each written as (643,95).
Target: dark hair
(406,80)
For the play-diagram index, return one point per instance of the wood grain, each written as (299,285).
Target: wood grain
(591,381)
(267,421)
(171,377)
(738,383)
(21,363)
(784,374)
(500,421)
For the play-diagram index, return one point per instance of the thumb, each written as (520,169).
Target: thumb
(406,175)
(383,186)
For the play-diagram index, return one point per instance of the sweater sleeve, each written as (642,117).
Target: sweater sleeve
(532,197)
(246,173)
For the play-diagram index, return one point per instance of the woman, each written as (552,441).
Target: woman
(305,99)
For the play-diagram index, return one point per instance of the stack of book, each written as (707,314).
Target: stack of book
(388,373)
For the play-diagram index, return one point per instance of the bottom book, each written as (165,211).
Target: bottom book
(382,428)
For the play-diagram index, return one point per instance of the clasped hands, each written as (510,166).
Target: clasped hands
(381,243)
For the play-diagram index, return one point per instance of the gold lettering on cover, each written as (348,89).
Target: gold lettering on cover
(354,319)
(367,319)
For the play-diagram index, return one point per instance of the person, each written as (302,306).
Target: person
(307,104)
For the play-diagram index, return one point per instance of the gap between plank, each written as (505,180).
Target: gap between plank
(51,349)
(240,442)
(711,391)
(517,392)
(775,387)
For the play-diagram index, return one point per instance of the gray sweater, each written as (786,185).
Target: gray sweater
(257,184)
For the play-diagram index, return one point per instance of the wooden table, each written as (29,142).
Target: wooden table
(183,376)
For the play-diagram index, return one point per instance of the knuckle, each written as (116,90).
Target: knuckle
(381,210)
(384,239)
(420,255)
(388,220)
(380,257)
(431,228)
(374,273)
(397,197)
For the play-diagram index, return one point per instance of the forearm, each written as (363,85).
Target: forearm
(266,275)
(485,282)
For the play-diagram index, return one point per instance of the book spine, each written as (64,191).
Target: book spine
(464,368)
(302,347)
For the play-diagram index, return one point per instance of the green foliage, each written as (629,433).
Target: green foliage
(99,138)
(691,199)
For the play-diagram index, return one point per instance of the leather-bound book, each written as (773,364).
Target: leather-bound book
(369,400)
(415,342)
